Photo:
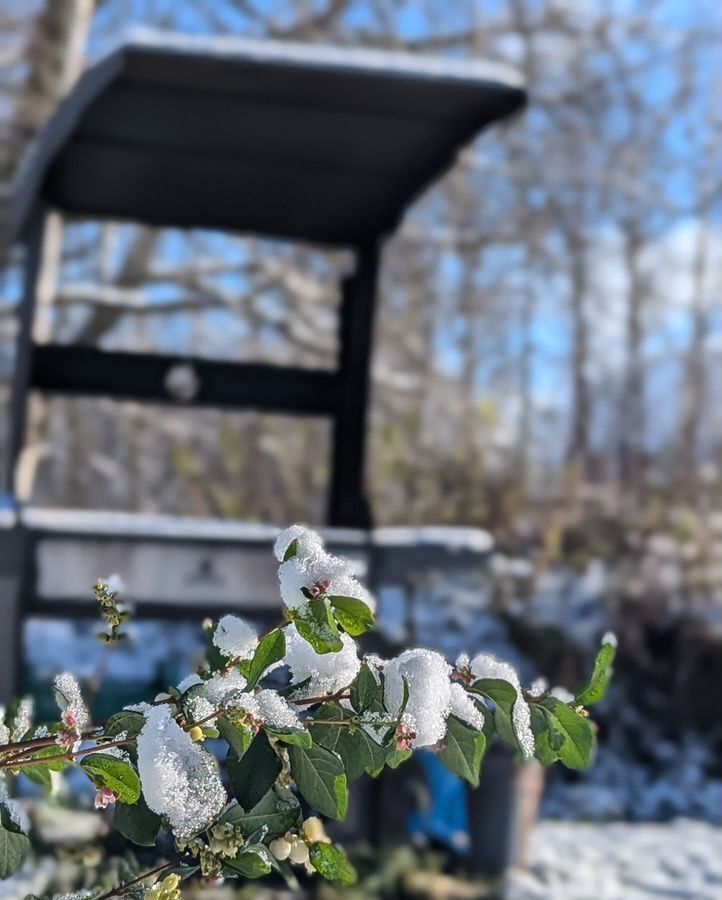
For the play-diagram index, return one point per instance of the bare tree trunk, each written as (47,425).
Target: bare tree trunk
(579,441)
(633,408)
(695,373)
(56,54)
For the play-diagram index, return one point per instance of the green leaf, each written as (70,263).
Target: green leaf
(271,649)
(56,758)
(321,779)
(251,862)
(463,750)
(595,689)
(299,738)
(548,736)
(503,697)
(359,752)
(118,775)
(404,699)
(255,772)
(215,659)
(394,757)
(14,845)
(124,721)
(238,737)
(365,691)
(315,624)
(40,775)
(137,823)
(352,614)
(291,550)
(279,811)
(332,864)
(577,750)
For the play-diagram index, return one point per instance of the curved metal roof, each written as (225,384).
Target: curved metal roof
(313,143)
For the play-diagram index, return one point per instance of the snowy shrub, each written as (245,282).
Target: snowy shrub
(286,751)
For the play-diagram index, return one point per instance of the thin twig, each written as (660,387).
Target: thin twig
(121,889)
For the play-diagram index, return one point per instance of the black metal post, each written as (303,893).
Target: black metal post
(349,504)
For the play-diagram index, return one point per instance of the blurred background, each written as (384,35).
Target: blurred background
(545,414)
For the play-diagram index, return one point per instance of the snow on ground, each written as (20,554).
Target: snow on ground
(622,861)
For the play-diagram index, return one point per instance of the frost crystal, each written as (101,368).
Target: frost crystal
(328,672)
(70,700)
(430,702)
(180,780)
(487,666)
(23,718)
(235,638)
(315,571)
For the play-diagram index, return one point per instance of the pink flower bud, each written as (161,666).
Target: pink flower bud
(104,797)
(70,717)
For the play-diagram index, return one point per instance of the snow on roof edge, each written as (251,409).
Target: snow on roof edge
(331,56)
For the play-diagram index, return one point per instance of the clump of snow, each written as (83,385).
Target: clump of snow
(17,814)
(484,665)
(269,708)
(235,638)
(22,723)
(314,571)
(464,708)
(70,700)
(562,694)
(328,672)
(620,861)
(188,682)
(538,687)
(4,730)
(432,696)
(114,584)
(308,541)
(222,690)
(180,780)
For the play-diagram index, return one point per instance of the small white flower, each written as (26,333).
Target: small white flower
(280,848)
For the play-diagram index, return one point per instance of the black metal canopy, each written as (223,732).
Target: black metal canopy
(318,144)
(312,143)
